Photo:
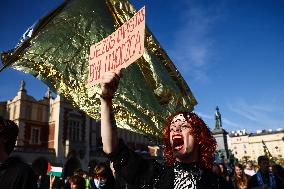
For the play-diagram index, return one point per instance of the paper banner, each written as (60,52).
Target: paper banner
(118,50)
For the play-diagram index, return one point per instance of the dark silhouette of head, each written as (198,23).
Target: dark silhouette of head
(263,162)
(8,134)
(77,182)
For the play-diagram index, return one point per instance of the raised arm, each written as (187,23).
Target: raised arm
(132,167)
(109,84)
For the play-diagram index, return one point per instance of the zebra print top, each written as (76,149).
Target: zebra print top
(186,175)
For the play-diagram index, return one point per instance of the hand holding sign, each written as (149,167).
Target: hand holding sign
(118,50)
(109,83)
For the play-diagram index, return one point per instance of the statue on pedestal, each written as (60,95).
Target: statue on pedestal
(218,124)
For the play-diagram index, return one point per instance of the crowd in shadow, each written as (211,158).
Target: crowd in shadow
(16,174)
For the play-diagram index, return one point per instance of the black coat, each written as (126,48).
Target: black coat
(15,174)
(149,174)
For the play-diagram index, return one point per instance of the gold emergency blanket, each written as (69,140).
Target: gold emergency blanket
(56,51)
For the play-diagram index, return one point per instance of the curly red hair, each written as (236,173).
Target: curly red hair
(202,136)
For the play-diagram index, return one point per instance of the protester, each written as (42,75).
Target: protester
(40,166)
(224,172)
(278,172)
(77,182)
(86,177)
(56,183)
(103,178)
(189,150)
(120,183)
(249,169)
(216,169)
(239,179)
(66,183)
(264,178)
(14,173)
(43,182)
(80,172)
(91,166)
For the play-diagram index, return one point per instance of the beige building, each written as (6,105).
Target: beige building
(251,145)
(52,129)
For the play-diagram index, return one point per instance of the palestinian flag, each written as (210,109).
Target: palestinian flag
(54,171)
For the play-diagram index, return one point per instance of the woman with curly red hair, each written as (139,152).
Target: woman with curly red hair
(189,150)
(201,134)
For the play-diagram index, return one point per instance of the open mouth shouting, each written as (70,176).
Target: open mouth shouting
(178,143)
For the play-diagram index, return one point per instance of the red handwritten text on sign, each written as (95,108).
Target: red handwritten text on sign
(118,50)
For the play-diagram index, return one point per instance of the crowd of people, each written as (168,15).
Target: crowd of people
(263,176)
(189,149)
(236,177)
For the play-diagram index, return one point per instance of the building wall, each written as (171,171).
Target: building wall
(273,140)
(46,129)
(239,146)
(251,145)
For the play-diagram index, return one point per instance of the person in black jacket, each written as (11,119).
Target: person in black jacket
(189,150)
(14,173)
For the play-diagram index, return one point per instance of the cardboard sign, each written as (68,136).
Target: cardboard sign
(118,50)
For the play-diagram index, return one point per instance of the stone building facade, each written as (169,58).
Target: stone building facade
(51,128)
(249,146)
